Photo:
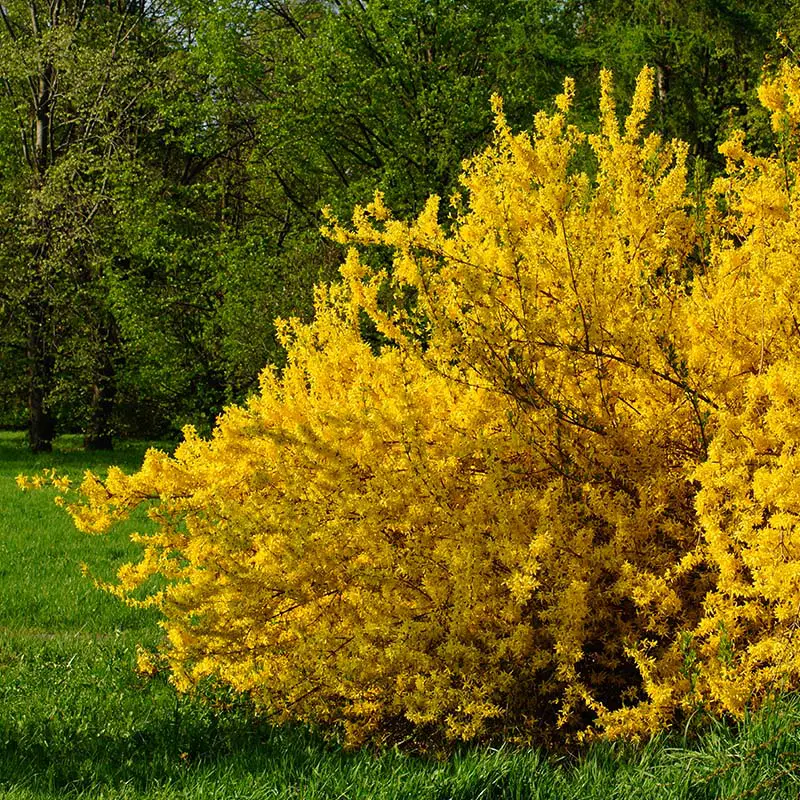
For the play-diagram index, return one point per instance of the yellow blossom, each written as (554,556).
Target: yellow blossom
(577,451)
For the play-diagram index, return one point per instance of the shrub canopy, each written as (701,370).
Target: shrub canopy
(561,495)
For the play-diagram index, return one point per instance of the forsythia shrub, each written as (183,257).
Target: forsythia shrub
(565,493)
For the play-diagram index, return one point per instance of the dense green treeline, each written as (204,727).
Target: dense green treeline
(163,164)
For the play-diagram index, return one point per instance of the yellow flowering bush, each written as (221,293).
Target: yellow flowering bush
(560,497)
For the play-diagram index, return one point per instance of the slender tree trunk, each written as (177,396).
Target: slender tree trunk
(662,88)
(99,434)
(41,360)
(40,378)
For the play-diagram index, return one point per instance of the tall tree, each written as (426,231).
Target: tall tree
(164,163)
(63,65)
(79,78)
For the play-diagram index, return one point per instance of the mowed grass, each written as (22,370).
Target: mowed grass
(77,722)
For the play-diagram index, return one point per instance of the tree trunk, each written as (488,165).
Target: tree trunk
(99,434)
(40,378)
(41,361)
(662,88)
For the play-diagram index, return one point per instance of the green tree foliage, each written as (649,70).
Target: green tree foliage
(707,54)
(341,97)
(73,74)
(173,209)
(112,218)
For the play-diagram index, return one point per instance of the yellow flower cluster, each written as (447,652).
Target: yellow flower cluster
(562,497)
(48,477)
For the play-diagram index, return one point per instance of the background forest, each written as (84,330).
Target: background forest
(164,164)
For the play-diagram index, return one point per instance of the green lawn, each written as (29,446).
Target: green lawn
(76,720)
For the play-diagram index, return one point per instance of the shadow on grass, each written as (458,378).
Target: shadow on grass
(145,736)
(68,454)
(198,749)
(199,754)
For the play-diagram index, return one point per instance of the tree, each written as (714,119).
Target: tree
(107,210)
(187,150)
(71,73)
